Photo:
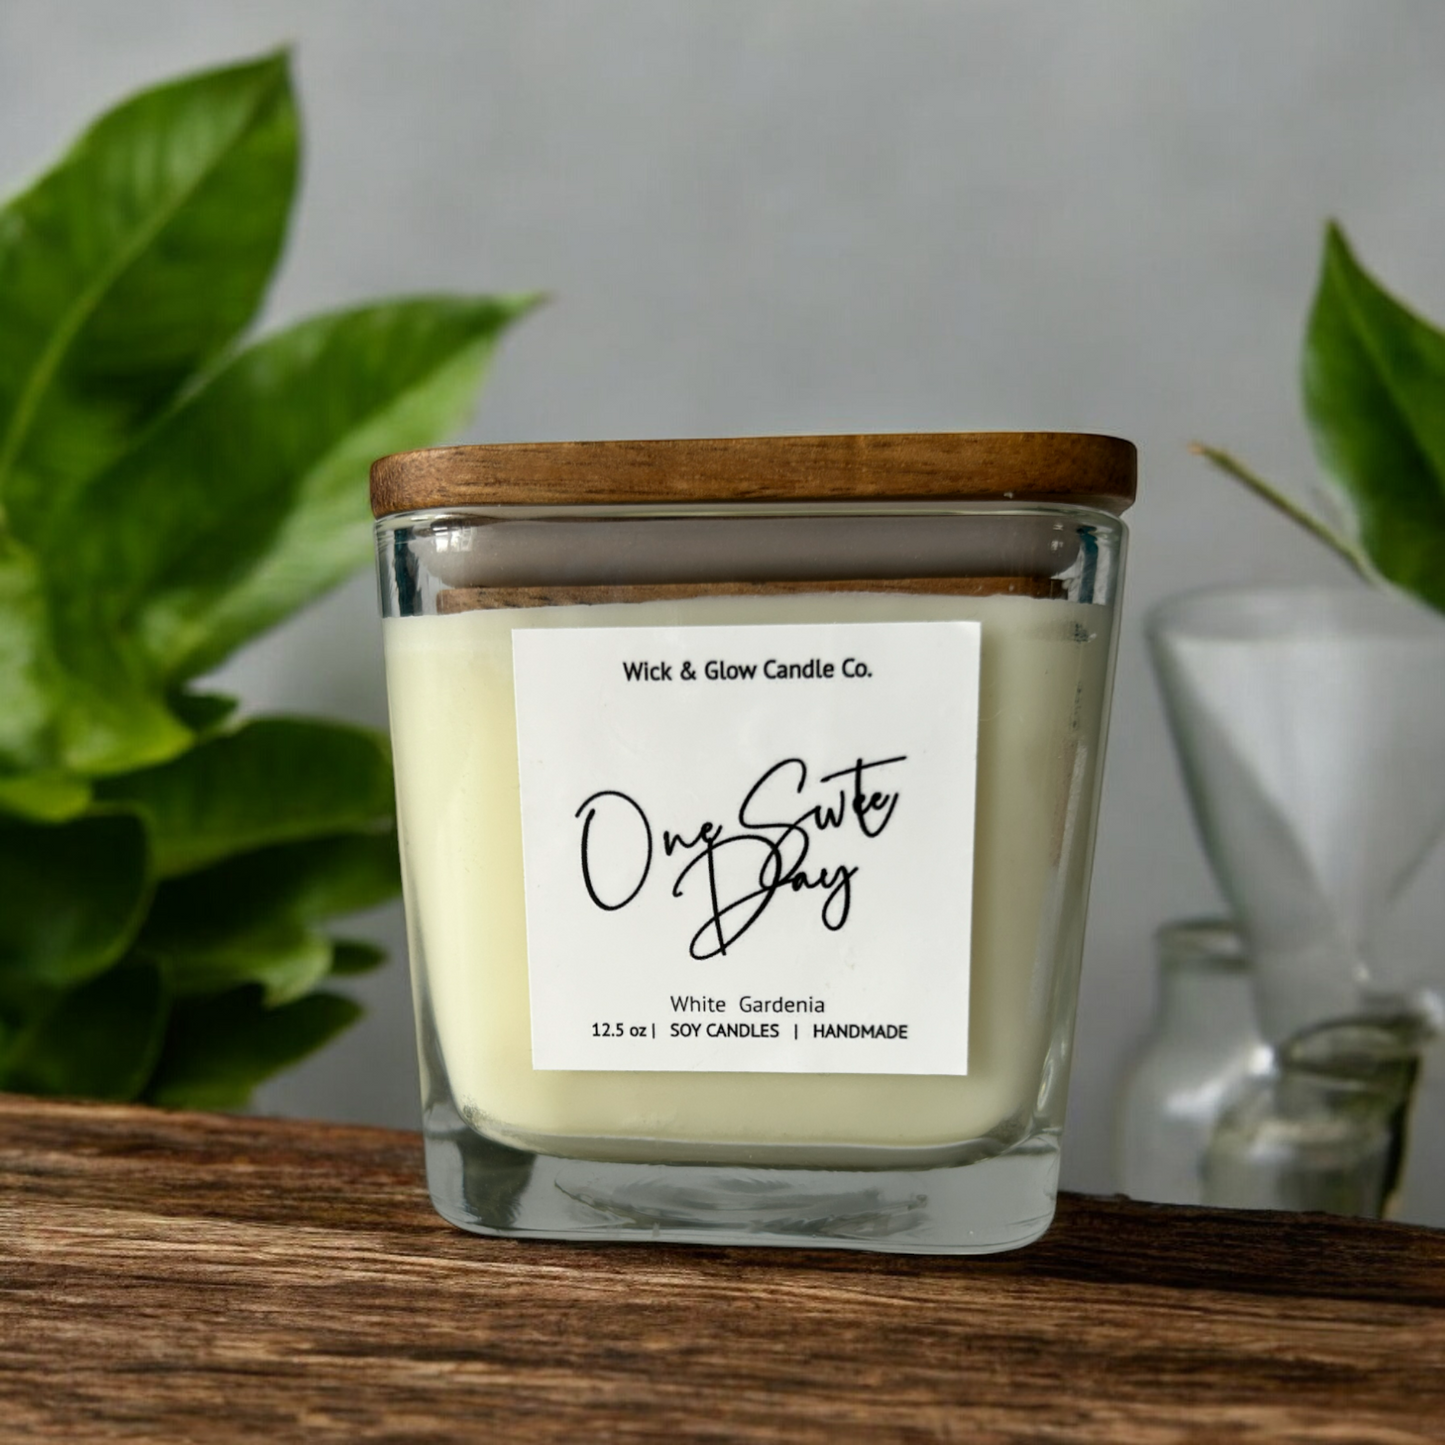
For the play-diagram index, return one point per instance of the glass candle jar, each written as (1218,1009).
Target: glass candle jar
(746,794)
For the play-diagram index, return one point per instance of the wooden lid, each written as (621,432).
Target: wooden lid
(1087,470)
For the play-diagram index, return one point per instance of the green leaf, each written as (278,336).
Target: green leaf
(253,919)
(127,268)
(123,271)
(112,712)
(276,780)
(218,1049)
(73,896)
(285,957)
(284,436)
(202,712)
(47,796)
(99,1042)
(39,703)
(163,581)
(351,956)
(1374,386)
(28,673)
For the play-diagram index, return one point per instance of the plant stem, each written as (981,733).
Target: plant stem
(1341,546)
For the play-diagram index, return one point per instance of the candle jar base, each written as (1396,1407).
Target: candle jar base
(971,1196)
(992,1204)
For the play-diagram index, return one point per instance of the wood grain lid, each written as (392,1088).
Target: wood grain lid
(1081,468)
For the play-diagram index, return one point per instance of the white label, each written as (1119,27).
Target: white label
(749,848)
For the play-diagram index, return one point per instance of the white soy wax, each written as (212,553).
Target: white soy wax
(1042,692)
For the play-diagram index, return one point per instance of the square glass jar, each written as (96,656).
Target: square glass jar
(746,793)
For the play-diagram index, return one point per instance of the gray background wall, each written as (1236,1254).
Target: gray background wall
(795,215)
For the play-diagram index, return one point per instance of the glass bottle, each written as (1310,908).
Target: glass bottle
(1204,1045)
(1326,1128)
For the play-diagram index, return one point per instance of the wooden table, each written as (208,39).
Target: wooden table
(178,1277)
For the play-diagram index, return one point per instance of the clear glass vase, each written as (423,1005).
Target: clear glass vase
(1310,723)
(1326,1129)
(1203,1046)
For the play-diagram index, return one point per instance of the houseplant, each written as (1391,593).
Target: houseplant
(168,491)
(1373,378)
(1311,727)
(1323,777)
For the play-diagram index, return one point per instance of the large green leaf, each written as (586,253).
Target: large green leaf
(127,268)
(29,676)
(287,958)
(254,918)
(99,1042)
(218,1049)
(1374,385)
(73,896)
(46,795)
(284,437)
(91,708)
(112,715)
(44,710)
(168,574)
(123,271)
(276,780)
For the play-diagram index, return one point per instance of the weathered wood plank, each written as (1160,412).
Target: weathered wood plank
(183,1277)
